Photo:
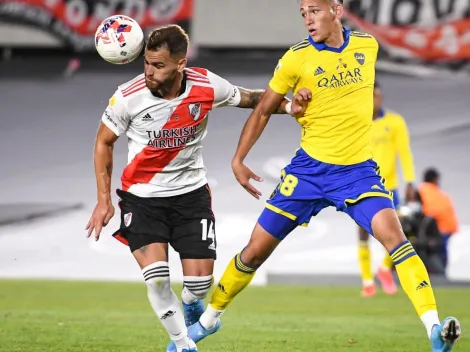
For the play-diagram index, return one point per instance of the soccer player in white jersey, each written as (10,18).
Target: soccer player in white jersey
(164,198)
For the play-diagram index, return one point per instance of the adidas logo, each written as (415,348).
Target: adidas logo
(423,284)
(376,187)
(212,246)
(319,71)
(168,314)
(147,117)
(221,288)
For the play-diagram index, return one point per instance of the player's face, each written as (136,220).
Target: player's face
(320,17)
(161,69)
(378,100)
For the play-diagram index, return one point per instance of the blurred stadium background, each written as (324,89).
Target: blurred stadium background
(54,88)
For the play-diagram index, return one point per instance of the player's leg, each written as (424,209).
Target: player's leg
(371,206)
(296,199)
(197,282)
(412,273)
(365,264)
(236,277)
(194,238)
(384,274)
(148,237)
(268,232)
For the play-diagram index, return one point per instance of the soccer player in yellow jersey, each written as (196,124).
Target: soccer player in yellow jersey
(390,142)
(333,166)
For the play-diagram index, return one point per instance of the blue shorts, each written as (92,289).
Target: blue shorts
(396,198)
(307,186)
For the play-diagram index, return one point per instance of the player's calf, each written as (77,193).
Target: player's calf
(411,271)
(166,304)
(194,291)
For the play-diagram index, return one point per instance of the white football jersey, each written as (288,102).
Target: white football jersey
(165,136)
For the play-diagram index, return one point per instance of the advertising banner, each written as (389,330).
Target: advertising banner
(425,30)
(74,22)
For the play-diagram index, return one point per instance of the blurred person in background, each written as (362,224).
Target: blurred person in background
(438,204)
(390,142)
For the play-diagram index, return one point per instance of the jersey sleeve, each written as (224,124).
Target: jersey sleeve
(225,93)
(115,117)
(286,73)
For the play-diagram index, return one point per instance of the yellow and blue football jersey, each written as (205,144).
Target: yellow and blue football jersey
(336,127)
(390,143)
(334,166)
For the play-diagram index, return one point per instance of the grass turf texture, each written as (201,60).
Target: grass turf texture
(90,316)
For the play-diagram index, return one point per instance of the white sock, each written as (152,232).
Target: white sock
(187,296)
(210,317)
(165,303)
(195,287)
(430,319)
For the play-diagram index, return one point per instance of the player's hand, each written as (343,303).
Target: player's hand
(243,174)
(103,212)
(300,102)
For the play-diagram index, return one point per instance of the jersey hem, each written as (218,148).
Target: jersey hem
(164,194)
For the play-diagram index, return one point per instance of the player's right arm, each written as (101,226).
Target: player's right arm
(113,123)
(285,77)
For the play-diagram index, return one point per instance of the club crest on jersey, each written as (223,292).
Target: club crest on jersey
(341,65)
(127,219)
(360,58)
(195,110)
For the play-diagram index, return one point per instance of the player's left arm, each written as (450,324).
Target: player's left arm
(250,98)
(403,147)
(227,94)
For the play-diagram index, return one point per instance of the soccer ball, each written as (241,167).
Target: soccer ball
(119,39)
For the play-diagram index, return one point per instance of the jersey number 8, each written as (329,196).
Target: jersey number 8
(288,184)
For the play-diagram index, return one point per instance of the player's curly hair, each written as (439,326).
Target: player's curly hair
(171,37)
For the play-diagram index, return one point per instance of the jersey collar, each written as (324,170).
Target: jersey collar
(182,89)
(381,114)
(323,46)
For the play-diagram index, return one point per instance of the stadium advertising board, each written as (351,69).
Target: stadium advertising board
(74,22)
(429,30)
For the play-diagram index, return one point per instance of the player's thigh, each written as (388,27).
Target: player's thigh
(151,253)
(143,228)
(377,215)
(195,241)
(293,202)
(193,227)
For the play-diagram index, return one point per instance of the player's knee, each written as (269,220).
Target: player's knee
(254,256)
(157,279)
(198,286)
(387,228)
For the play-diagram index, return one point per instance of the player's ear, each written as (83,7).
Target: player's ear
(337,11)
(182,64)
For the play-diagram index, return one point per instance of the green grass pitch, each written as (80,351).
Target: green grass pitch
(65,316)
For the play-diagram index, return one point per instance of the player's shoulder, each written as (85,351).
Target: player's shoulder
(358,34)
(363,38)
(198,75)
(299,46)
(394,116)
(135,85)
(296,52)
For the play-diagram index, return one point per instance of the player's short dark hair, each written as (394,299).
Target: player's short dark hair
(431,175)
(171,37)
(377,85)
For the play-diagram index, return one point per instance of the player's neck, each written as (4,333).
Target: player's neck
(173,90)
(336,39)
